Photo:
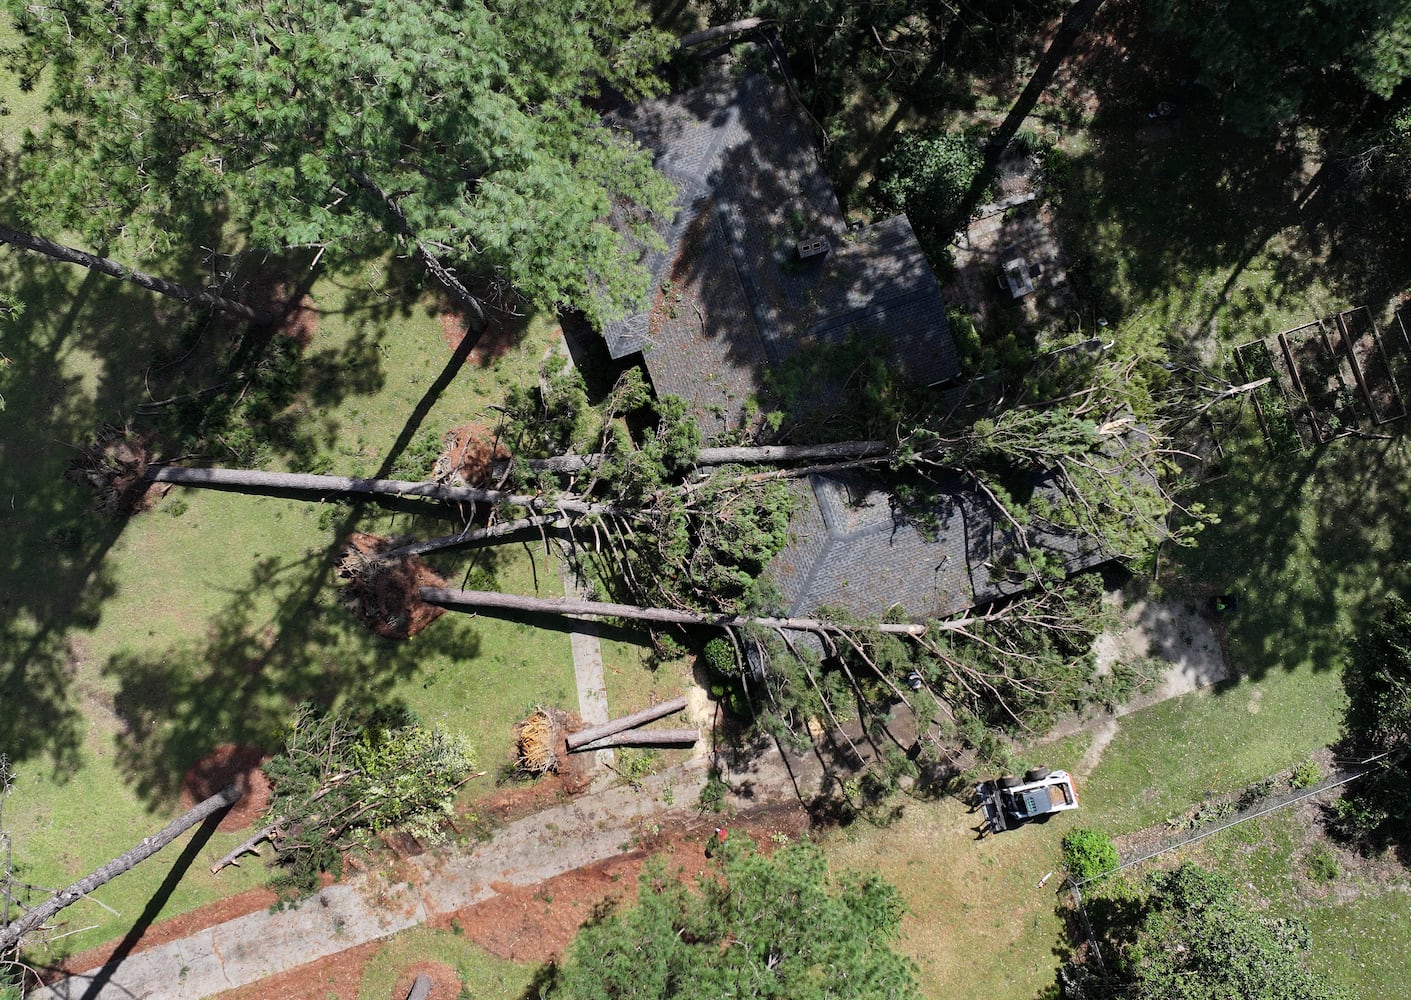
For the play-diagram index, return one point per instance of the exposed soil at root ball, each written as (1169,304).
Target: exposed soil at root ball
(499,338)
(230,762)
(385,595)
(114,466)
(468,456)
(444,981)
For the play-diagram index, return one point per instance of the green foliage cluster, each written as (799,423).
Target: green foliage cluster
(753,926)
(878,397)
(1266,58)
(1375,811)
(1089,853)
(928,175)
(1186,935)
(467,126)
(347,774)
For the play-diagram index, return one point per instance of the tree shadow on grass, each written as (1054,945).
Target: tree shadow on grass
(1309,542)
(257,663)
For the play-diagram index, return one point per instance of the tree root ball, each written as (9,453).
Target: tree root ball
(468,456)
(230,762)
(386,594)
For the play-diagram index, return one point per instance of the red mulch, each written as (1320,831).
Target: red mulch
(388,601)
(468,456)
(230,762)
(500,337)
(444,980)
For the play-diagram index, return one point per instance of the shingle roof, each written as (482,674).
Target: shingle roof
(731,297)
(850,547)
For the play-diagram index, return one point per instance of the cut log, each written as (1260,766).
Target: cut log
(69,255)
(304,482)
(248,847)
(718,31)
(744,455)
(643,738)
(13,933)
(470,599)
(632,721)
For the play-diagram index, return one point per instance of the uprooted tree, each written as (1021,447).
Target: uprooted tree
(27,909)
(345,776)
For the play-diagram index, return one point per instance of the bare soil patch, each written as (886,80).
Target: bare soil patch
(501,335)
(468,456)
(230,763)
(386,595)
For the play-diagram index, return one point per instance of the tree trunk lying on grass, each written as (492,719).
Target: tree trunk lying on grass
(304,482)
(69,255)
(469,599)
(13,933)
(726,456)
(643,738)
(472,536)
(592,733)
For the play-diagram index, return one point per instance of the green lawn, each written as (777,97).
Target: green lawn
(130,649)
(482,975)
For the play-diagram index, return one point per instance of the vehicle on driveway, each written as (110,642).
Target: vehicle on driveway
(1009,801)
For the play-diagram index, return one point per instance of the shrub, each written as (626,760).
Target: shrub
(1306,775)
(1089,853)
(719,656)
(928,174)
(1322,865)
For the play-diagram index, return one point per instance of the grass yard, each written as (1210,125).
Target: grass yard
(482,975)
(128,650)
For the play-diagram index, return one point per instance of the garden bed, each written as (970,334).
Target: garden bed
(1277,417)
(1367,355)
(1323,379)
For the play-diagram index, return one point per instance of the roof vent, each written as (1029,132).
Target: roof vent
(813,246)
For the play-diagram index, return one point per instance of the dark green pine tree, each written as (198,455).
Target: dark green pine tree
(463,132)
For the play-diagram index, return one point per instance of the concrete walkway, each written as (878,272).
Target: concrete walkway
(587,660)
(591,828)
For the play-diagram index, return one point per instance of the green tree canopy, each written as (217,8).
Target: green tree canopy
(1377,677)
(463,128)
(753,926)
(1191,938)
(1264,57)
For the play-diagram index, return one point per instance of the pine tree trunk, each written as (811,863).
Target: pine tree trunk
(69,255)
(725,456)
(643,738)
(576,740)
(464,599)
(303,482)
(12,934)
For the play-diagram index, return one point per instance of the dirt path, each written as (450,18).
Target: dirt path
(1177,632)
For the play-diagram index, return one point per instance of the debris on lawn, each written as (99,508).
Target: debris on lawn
(386,594)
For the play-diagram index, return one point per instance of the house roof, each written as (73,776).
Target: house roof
(852,547)
(730,295)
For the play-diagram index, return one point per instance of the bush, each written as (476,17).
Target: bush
(719,656)
(928,174)
(1306,775)
(1089,853)
(1322,865)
